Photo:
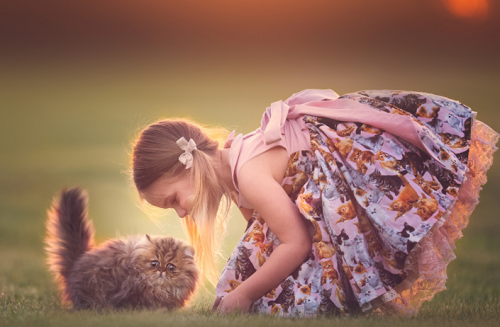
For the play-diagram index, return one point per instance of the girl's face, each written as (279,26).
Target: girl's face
(175,193)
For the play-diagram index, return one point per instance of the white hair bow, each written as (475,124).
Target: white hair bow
(187,157)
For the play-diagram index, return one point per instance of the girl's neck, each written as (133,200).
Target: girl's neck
(225,166)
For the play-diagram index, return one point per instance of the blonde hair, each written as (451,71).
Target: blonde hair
(156,154)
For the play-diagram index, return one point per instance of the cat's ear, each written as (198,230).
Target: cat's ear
(189,251)
(149,238)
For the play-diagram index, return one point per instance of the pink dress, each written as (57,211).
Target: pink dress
(387,181)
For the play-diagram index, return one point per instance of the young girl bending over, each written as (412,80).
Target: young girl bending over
(353,203)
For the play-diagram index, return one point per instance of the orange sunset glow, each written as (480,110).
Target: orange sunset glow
(468,8)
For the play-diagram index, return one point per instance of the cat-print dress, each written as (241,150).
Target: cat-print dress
(386,179)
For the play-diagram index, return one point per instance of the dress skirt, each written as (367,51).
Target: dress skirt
(384,213)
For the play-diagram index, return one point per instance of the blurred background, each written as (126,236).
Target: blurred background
(79,79)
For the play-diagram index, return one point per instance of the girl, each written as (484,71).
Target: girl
(353,203)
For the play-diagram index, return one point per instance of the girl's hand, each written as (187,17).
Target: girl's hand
(235,301)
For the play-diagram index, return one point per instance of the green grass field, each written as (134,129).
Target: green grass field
(64,124)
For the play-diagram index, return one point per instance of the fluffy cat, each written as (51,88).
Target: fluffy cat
(310,305)
(347,131)
(340,295)
(340,185)
(386,184)
(377,103)
(396,148)
(389,162)
(362,252)
(304,203)
(316,280)
(407,230)
(298,310)
(276,310)
(368,129)
(326,306)
(318,236)
(373,143)
(373,244)
(407,145)
(256,235)
(377,214)
(422,112)
(341,237)
(363,224)
(426,207)
(344,147)
(392,261)
(324,250)
(429,142)
(304,271)
(137,271)
(329,273)
(243,265)
(413,163)
(259,306)
(427,186)
(391,236)
(265,252)
(363,159)
(386,276)
(352,176)
(456,123)
(349,252)
(287,297)
(436,125)
(454,106)
(304,289)
(272,293)
(233,284)
(443,199)
(360,269)
(272,238)
(374,281)
(372,196)
(407,198)
(444,176)
(346,212)
(297,182)
(453,141)
(409,103)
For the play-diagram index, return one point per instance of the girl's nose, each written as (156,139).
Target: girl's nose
(181,212)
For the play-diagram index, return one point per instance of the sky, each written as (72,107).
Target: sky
(255,27)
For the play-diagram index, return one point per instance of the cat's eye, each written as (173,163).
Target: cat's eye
(171,267)
(155,264)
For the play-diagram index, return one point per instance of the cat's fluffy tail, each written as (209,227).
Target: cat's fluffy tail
(69,232)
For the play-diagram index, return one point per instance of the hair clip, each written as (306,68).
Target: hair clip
(187,157)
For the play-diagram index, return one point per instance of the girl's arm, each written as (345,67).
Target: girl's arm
(259,182)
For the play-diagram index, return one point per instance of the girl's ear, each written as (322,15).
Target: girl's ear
(149,238)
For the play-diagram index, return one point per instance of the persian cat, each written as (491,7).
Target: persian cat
(137,271)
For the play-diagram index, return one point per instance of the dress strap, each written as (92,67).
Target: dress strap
(272,122)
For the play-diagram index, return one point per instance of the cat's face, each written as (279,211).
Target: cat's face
(347,210)
(326,293)
(167,264)
(327,265)
(380,156)
(306,289)
(400,205)
(267,248)
(360,269)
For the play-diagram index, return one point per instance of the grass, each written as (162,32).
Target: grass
(64,125)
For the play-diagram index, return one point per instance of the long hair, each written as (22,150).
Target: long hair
(156,154)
